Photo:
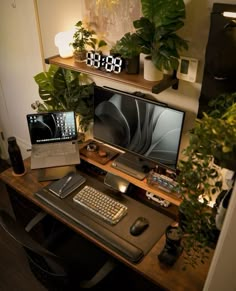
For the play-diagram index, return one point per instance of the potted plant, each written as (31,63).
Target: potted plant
(128,48)
(156,31)
(62,89)
(96,44)
(222,109)
(212,145)
(81,38)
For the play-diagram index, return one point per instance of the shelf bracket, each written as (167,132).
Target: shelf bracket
(168,81)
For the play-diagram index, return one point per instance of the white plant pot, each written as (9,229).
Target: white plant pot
(151,73)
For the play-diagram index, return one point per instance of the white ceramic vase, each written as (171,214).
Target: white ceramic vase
(151,73)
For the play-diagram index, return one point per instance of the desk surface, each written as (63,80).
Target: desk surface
(173,278)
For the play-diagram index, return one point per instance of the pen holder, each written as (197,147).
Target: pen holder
(173,248)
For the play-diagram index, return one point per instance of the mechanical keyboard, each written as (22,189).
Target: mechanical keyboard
(101,204)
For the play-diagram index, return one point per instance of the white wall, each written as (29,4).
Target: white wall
(20,60)
(56,16)
(21,57)
(221,275)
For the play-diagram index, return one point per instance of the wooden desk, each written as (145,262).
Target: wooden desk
(173,278)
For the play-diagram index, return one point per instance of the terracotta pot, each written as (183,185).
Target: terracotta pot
(80,56)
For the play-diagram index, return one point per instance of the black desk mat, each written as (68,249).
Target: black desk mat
(134,246)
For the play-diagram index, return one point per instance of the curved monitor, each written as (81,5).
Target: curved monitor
(138,125)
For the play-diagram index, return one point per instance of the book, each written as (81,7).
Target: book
(66,185)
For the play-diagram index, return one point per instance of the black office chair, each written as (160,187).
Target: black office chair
(65,260)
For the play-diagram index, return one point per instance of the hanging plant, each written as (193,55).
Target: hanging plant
(212,146)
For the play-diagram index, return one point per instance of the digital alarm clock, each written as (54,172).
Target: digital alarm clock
(110,63)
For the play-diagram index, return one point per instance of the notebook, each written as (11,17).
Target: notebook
(53,138)
(66,185)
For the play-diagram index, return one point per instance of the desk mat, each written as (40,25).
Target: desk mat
(118,236)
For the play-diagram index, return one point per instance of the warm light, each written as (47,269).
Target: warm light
(122,188)
(211,203)
(62,41)
(229,14)
(227,184)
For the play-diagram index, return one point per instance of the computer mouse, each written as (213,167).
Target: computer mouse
(139,225)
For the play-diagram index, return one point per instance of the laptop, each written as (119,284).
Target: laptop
(53,138)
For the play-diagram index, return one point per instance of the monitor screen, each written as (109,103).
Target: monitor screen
(138,125)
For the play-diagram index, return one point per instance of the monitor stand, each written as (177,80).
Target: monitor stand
(133,165)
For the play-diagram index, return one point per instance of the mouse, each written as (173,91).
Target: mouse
(139,225)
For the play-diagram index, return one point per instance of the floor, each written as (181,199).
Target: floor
(15,274)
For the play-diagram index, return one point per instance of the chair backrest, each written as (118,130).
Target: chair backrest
(47,267)
(52,270)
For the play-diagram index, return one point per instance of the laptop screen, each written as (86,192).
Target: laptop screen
(52,127)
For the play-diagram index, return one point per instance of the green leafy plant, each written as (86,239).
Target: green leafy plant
(156,31)
(212,145)
(128,46)
(82,36)
(96,44)
(219,105)
(62,89)
(198,181)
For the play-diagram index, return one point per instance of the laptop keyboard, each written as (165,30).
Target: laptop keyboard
(54,149)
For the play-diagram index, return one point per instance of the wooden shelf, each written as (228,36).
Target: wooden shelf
(136,80)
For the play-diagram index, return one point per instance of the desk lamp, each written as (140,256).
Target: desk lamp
(62,41)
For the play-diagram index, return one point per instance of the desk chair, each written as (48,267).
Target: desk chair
(65,261)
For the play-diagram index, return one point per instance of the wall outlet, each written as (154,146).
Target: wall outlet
(187,69)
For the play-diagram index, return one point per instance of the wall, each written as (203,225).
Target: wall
(20,60)
(22,57)
(221,275)
(56,16)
